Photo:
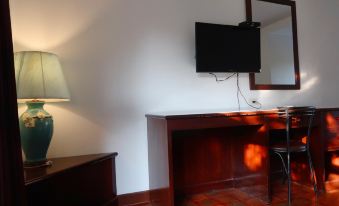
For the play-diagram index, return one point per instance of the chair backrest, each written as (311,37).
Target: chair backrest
(297,112)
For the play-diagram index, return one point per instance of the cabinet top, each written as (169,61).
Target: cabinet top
(61,165)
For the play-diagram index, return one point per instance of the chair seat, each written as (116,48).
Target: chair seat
(295,146)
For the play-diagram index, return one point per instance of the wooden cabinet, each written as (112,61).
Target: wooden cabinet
(71,181)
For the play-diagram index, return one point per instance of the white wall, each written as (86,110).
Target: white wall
(125,58)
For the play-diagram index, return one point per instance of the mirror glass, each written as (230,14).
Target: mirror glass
(277,62)
(277,50)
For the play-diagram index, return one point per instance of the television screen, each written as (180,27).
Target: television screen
(224,48)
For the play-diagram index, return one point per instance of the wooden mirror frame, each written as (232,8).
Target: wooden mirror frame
(296,86)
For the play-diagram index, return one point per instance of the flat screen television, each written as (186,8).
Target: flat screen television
(225,48)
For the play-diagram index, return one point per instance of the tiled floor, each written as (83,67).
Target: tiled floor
(302,196)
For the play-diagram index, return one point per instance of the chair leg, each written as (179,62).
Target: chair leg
(289,179)
(313,175)
(284,178)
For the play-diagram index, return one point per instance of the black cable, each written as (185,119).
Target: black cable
(221,80)
(240,92)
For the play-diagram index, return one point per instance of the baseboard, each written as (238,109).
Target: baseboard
(134,199)
(250,180)
(203,187)
(143,198)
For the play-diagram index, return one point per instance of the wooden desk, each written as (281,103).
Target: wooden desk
(190,153)
(81,180)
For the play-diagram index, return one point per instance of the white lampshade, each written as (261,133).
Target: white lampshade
(39,76)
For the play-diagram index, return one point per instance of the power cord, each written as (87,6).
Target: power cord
(240,92)
(221,80)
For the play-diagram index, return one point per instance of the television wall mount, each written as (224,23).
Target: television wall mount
(249,24)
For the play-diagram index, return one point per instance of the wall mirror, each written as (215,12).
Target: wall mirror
(279,44)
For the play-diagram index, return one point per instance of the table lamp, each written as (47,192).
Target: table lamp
(39,79)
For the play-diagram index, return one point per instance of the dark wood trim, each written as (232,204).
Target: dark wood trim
(296,86)
(249,10)
(254,86)
(11,170)
(285,2)
(295,45)
(136,198)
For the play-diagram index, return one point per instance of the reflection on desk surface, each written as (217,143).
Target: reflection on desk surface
(209,112)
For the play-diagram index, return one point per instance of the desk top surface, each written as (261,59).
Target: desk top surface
(206,113)
(61,165)
(217,113)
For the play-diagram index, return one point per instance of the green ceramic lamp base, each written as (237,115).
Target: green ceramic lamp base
(36,130)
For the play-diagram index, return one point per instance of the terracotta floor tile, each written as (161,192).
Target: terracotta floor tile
(255,202)
(252,196)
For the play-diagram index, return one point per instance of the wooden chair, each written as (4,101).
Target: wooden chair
(306,114)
